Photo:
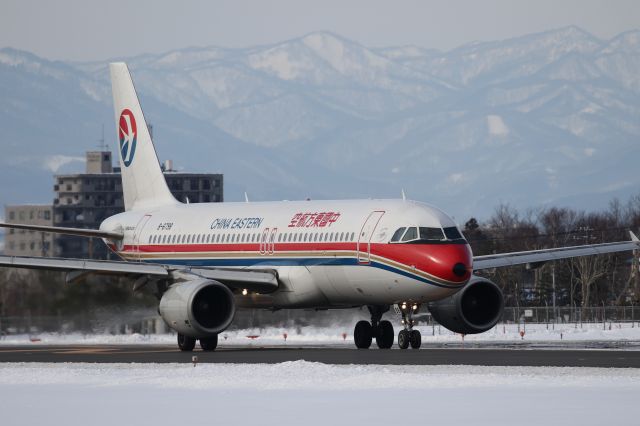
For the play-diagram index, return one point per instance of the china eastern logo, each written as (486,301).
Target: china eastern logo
(128,133)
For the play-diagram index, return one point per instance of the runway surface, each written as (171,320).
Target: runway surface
(493,356)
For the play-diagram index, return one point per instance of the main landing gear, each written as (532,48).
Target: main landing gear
(187,343)
(408,336)
(365,331)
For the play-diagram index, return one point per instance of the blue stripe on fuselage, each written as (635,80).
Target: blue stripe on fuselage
(305,261)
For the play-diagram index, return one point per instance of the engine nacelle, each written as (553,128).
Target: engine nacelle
(474,309)
(198,308)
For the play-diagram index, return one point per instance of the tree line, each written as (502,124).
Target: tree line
(584,281)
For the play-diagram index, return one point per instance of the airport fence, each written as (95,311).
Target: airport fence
(571,314)
(148,322)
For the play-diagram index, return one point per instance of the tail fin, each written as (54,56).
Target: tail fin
(143,183)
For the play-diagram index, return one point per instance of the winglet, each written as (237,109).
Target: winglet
(634,238)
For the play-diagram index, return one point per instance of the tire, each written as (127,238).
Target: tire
(385,336)
(363,334)
(209,344)
(415,339)
(403,339)
(186,343)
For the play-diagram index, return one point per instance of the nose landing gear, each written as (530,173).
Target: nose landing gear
(365,331)
(409,336)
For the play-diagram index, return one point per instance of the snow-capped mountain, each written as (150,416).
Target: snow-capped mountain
(552,117)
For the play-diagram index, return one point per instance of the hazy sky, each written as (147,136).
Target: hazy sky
(86,30)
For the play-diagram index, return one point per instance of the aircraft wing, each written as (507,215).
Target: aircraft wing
(541,256)
(259,280)
(98,266)
(66,231)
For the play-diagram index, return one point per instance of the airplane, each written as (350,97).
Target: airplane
(203,261)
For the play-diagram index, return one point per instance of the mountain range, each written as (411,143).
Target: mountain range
(551,118)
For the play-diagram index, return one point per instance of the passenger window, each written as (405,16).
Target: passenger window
(353,234)
(398,234)
(233,238)
(341,236)
(315,236)
(411,234)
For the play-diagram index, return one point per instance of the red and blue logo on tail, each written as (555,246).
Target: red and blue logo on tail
(128,134)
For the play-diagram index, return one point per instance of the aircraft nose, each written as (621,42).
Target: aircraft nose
(451,262)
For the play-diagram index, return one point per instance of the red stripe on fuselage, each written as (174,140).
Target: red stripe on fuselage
(434,259)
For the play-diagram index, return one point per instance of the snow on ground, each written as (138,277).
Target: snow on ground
(314,394)
(337,335)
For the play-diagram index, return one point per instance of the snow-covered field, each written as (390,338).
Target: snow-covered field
(337,335)
(314,394)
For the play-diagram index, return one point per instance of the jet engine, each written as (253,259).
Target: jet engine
(198,308)
(474,309)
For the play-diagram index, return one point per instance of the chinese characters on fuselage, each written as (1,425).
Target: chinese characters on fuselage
(313,220)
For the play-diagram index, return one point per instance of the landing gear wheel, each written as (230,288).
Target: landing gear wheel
(415,339)
(186,343)
(384,339)
(363,334)
(209,344)
(403,339)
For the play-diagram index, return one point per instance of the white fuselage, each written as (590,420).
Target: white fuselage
(326,253)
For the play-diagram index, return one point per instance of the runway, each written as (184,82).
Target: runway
(478,355)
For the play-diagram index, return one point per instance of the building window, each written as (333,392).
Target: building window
(12,215)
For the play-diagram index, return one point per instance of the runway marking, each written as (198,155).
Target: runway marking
(74,351)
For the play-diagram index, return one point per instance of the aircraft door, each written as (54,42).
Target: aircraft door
(272,241)
(365,235)
(264,245)
(137,233)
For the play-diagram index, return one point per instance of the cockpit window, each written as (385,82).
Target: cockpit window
(431,234)
(452,233)
(411,234)
(398,234)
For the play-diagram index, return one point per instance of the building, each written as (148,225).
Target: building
(18,242)
(84,200)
